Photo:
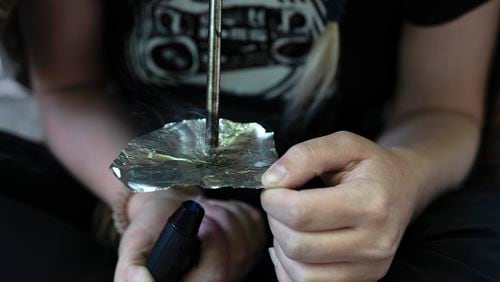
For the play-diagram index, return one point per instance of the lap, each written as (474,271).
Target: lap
(457,238)
(38,247)
(31,175)
(45,218)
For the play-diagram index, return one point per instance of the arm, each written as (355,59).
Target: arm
(441,89)
(84,127)
(351,230)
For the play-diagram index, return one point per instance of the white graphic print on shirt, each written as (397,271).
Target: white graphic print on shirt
(264,43)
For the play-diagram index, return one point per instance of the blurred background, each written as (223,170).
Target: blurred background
(18,111)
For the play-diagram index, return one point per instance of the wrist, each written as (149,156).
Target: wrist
(418,176)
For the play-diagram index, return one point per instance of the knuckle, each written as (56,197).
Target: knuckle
(252,214)
(255,217)
(297,215)
(344,137)
(379,272)
(220,212)
(376,271)
(302,273)
(383,249)
(303,152)
(378,210)
(213,230)
(293,247)
(266,201)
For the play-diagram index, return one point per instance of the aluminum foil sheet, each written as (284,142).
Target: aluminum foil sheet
(176,156)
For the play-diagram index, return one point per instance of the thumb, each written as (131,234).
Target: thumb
(314,157)
(134,247)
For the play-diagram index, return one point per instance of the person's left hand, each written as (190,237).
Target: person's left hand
(349,231)
(232,235)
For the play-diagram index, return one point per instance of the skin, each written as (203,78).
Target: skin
(347,232)
(86,127)
(232,235)
(351,230)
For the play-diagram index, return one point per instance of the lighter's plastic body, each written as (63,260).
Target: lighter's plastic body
(177,249)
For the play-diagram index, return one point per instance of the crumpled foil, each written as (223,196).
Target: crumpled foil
(176,156)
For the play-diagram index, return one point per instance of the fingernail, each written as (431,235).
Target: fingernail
(274,175)
(272,255)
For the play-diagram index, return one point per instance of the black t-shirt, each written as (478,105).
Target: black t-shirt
(158,54)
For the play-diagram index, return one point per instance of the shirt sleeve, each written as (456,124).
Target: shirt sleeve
(434,12)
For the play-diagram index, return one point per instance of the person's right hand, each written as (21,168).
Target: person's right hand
(232,235)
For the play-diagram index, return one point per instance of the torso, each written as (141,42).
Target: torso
(264,44)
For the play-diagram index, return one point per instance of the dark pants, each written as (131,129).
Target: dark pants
(45,219)
(35,246)
(456,239)
(46,237)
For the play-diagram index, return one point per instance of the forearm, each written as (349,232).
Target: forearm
(439,146)
(84,127)
(440,98)
(86,131)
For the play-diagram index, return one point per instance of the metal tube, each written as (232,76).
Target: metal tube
(213,84)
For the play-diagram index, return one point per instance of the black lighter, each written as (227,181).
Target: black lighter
(178,248)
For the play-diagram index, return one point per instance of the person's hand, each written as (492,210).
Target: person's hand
(232,235)
(349,231)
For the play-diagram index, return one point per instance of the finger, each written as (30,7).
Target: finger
(141,235)
(214,254)
(345,205)
(280,271)
(134,248)
(341,271)
(257,231)
(152,211)
(246,214)
(254,215)
(253,235)
(322,247)
(231,226)
(314,157)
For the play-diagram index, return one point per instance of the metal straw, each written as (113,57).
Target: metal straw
(213,84)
